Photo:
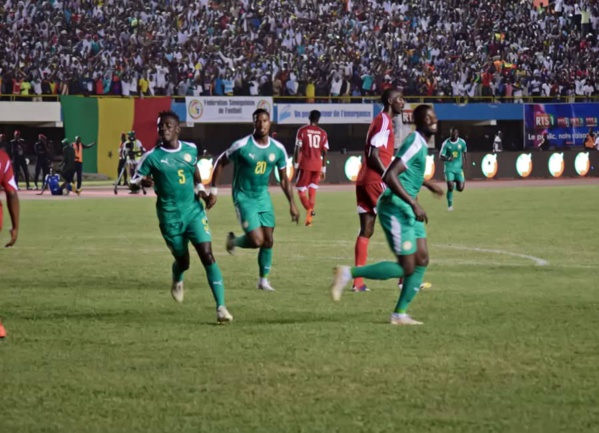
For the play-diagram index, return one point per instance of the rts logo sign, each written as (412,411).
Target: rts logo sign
(543,120)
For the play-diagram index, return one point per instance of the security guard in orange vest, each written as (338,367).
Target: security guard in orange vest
(78,146)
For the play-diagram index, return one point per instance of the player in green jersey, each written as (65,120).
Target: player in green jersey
(400,215)
(254,158)
(453,153)
(171,168)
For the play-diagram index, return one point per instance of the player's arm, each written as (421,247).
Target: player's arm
(443,152)
(14,208)
(323,153)
(199,188)
(464,158)
(391,178)
(142,174)
(7,182)
(286,187)
(296,150)
(433,187)
(221,162)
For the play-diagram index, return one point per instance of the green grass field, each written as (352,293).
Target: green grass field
(97,344)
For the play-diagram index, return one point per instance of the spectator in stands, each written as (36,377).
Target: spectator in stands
(454,48)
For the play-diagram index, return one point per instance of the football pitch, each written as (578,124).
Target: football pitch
(509,343)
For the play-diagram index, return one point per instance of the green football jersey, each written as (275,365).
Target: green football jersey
(455,149)
(253,164)
(172,171)
(413,152)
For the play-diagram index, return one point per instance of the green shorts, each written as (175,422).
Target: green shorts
(190,227)
(254,212)
(454,175)
(400,226)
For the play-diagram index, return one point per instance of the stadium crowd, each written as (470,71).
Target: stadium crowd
(310,48)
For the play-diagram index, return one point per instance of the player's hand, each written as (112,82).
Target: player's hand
(436,190)
(201,195)
(147,182)
(323,175)
(294,213)
(420,213)
(210,201)
(14,233)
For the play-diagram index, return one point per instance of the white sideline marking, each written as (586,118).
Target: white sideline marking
(538,261)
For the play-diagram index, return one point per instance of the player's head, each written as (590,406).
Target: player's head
(2,137)
(454,133)
(393,98)
(17,134)
(314,117)
(499,134)
(41,137)
(168,126)
(123,136)
(261,119)
(78,139)
(65,142)
(131,135)
(425,120)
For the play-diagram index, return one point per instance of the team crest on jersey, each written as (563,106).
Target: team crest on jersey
(187,157)
(407,245)
(245,224)
(271,157)
(459,146)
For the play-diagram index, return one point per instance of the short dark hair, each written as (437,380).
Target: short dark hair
(168,113)
(258,112)
(314,116)
(387,95)
(420,114)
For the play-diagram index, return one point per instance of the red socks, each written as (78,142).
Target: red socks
(361,256)
(312,195)
(304,199)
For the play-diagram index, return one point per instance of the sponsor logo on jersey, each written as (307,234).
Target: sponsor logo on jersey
(187,157)
(271,157)
(251,155)
(165,161)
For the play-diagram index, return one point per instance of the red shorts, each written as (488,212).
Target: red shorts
(307,179)
(368,195)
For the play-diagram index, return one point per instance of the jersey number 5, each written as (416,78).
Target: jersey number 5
(181,174)
(260,167)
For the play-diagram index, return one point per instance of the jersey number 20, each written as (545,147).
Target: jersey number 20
(260,167)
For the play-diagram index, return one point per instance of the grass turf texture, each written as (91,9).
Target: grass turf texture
(95,342)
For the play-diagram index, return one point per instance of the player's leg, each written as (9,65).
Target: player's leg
(177,243)
(302,187)
(312,188)
(247,214)
(367,197)
(397,225)
(460,181)
(367,221)
(265,257)
(79,170)
(450,179)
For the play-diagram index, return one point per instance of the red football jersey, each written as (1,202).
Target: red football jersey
(311,140)
(380,135)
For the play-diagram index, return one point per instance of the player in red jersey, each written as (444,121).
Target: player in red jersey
(311,145)
(8,184)
(378,153)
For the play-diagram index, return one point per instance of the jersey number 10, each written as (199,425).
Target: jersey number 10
(314,140)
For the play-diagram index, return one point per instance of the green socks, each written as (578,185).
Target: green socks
(177,272)
(217,285)
(265,261)
(449,196)
(378,271)
(411,286)
(243,242)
